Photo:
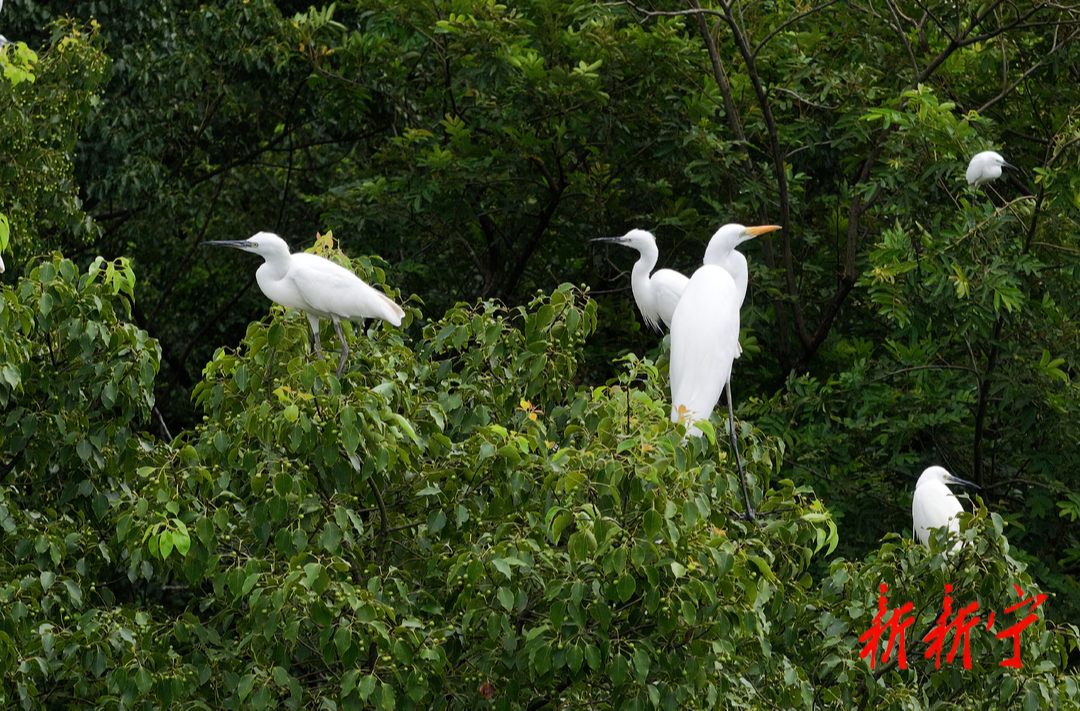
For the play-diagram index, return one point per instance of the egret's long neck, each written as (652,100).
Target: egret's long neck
(716,254)
(276,264)
(639,277)
(735,265)
(644,265)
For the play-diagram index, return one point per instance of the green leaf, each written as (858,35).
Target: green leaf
(642,664)
(618,670)
(165,544)
(144,680)
(561,520)
(436,521)
(182,540)
(366,687)
(247,683)
(204,529)
(331,537)
(574,657)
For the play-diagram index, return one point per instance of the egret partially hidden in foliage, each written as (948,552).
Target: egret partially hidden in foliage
(658,294)
(316,286)
(934,505)
(705,341)
(984,167)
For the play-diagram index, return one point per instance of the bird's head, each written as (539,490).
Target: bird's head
(637,239)
(942,476)
(265,244)
(994,158)
(731,236)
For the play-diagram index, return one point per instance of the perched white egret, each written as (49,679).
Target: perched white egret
(934,505)
(656,295)
(705,326)
(984,167)
(316,286)
(705,341)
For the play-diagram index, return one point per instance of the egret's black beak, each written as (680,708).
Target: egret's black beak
(1007,165)
(236,243)
(964,482)
(607,239)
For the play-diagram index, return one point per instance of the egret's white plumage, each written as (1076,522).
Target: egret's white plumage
(705,326)
(656,293)
(316,286)
(984,167)
(934,505)
(704,339)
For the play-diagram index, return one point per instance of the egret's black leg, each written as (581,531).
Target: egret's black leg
(738,460)
(344,347)
(314,321)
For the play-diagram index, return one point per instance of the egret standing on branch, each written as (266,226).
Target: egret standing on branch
(316,286)
(934,505)
(705,341)
(984,167)
(656,296)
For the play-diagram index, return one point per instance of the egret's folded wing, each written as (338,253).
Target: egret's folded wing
(668,286)
(333,290)
(704,339)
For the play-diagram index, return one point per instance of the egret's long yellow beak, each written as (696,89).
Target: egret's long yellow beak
(759,230)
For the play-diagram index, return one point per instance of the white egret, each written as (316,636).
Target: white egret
(705,341)
(316,286)
(934,505)
(656,295)
(984,167)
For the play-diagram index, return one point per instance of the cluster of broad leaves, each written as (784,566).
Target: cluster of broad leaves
(44,103)
(453,524)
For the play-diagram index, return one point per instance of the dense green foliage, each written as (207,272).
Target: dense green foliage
(491,507)
(453,523)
